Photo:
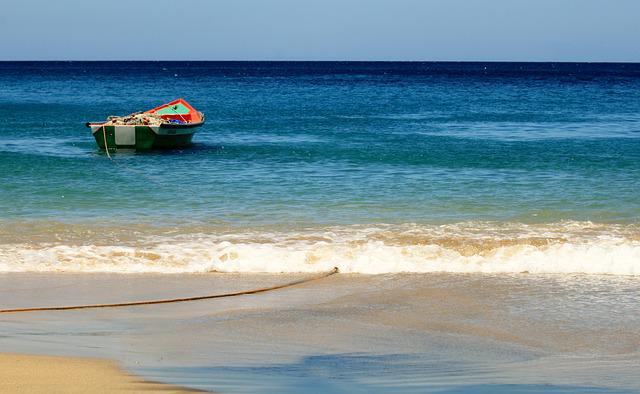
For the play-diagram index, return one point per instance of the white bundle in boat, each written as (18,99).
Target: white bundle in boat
(137,119)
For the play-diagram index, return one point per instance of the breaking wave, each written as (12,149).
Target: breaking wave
(567,247)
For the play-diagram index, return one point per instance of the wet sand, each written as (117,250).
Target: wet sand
(346,333)
(47,374)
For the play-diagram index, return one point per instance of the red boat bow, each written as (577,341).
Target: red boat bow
(178,110)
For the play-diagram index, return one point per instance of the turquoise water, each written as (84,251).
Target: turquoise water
(289,147)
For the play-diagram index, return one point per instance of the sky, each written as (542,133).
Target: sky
(413,30)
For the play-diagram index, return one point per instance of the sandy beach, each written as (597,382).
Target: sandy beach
(31,374)
(345,333)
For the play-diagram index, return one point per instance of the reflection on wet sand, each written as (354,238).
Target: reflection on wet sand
(349,333)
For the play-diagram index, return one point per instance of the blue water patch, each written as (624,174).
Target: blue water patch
(359,373)
(304,143)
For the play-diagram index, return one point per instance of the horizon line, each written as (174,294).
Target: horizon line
(324,61)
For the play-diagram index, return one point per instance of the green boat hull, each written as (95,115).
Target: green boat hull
(141,137)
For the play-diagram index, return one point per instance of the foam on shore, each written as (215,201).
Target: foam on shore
(570,247)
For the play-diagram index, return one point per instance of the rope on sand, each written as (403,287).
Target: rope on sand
(172,300)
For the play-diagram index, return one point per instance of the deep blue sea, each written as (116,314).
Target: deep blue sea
(372,167)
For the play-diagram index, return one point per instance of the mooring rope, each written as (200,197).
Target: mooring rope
(106,148)
(112,160)
(171,300)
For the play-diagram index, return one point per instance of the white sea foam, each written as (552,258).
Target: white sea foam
(465,248)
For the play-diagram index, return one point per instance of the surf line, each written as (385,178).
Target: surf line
(172,300)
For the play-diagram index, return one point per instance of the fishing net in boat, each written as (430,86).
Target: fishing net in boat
(137,119)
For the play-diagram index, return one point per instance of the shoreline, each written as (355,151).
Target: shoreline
(27,373)
(346,333)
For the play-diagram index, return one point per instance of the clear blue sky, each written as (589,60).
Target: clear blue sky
(510,30)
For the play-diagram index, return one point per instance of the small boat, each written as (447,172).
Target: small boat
(171,125)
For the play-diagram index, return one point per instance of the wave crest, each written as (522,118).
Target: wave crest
(571,247)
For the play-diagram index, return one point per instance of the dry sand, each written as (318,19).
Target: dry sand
(51,374)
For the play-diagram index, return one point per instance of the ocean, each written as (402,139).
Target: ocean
(370,167)
(485,218)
